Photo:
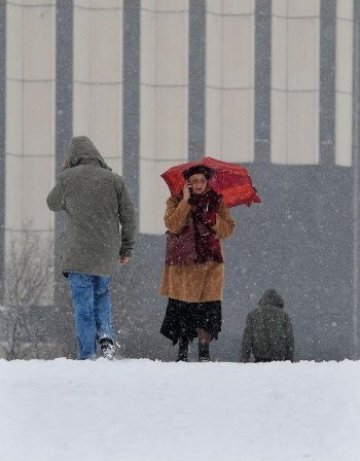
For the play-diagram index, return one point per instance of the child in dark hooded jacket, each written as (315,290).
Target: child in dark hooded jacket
(268,332)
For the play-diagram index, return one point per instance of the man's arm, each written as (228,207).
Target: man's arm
(55,199)
(127,220)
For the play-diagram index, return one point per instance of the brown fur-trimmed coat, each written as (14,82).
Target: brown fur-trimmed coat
(194,282)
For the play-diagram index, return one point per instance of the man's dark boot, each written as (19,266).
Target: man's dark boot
(204,354)
(183,350)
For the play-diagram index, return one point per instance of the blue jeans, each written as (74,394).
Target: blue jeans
(92,307)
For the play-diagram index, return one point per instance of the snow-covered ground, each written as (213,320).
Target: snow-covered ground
(140,410)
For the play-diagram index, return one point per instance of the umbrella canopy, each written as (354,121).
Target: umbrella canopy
(232,181)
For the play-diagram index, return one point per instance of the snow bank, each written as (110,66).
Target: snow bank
(140,410)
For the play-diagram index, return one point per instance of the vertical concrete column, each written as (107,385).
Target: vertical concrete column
(131,98)
(2,142)
(230,79)
(327,82)
(197,63)
(64,117)
(98,76)
(64,78)
(295,82)
(164,102)
(30,118)
(344,82)
(263,40)
(356,177)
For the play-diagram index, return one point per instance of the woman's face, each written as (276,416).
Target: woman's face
(198,183)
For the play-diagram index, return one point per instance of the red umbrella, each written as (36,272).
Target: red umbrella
(230,180)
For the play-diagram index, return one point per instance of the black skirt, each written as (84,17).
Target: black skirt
(182,319)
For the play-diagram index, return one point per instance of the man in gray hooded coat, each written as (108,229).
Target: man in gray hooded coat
(268,333)
(96,203)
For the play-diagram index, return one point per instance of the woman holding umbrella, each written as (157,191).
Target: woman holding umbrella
(197,219)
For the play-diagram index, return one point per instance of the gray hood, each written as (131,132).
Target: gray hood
(82,151)
(271,298)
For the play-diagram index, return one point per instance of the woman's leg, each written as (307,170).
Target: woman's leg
(204,341)
(174,327)
(203,335)
(207,318)
(183,352)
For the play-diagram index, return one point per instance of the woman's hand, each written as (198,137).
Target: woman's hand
(205,217)
(186,192)
(209,218)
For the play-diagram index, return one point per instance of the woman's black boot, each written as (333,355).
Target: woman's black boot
(183,350)
(204,354)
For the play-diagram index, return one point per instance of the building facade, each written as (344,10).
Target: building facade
(270,84)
